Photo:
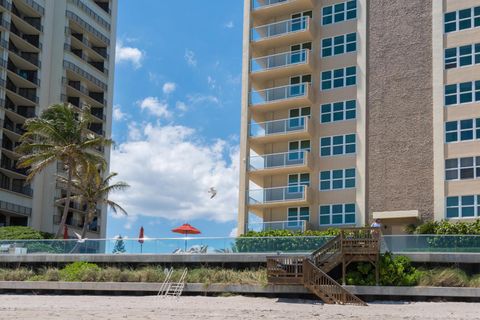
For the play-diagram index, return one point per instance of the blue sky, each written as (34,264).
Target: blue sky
(177,115)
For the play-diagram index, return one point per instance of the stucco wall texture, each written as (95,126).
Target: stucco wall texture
(399,107)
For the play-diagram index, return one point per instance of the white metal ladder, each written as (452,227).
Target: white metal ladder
(166,283)
(173,289)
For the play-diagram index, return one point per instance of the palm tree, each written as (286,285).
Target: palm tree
(60,134)
(92,189)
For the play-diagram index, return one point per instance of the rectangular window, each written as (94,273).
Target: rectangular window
(298,214)
(462,168)
(337,214)
(462,130)
(463,206)
(296,181)
(338,111)
(337,179)
(339,45)
(462,19)
(462,56)
(339,12)
(337,145)
(339,78)
(459,93)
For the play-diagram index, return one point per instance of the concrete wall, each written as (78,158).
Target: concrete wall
(399,107)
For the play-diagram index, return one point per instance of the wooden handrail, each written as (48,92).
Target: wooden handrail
(327,288)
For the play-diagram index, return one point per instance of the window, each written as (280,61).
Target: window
(462,130)
(339,45)
(335,214)
(295,181)
(298,214)
(294,148)
(463,206)
(462,168)
(462,19)
(338,111)
(464,92)
(339,78)
(339,12)
(462,56)
(337,179)
(337,145)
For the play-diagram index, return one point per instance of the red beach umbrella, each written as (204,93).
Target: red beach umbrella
(186,229)
(141,239)
(65,232)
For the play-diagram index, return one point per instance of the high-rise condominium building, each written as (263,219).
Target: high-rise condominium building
(358,109)
(52,51)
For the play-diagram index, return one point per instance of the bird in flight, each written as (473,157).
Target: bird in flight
(80,240)
(212,192)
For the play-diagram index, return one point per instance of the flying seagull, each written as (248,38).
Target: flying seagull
(80,240)
(213,192)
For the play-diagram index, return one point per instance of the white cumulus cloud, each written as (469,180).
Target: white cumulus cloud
(229,24)
(169,87)
(155,107)
(128,54)
(180,105)
(118,115)
(190,58)
(170,171)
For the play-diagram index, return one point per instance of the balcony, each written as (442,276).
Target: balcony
(29,57)
(278,98)
(299,128)
(279,163)
(259,199)
(281,65)
(267,9)
(281,34)
(297,225)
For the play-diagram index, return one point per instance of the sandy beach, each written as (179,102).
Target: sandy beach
(43,307)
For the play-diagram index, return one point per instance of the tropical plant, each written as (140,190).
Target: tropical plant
(92,189)
(60,134)
(20,233)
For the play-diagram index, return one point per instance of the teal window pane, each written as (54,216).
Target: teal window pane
(351,148)
(451,16)
(326,118)
(325,152)
(451,125)
(326,85)
(349,173)
(350,114)
(349,218)
(452,212)
(338,116)
(325,141)
(339,40)
(326,52)
(351,71)
(468,200)
(337,219)
(327,10)
(337,184)
(325,185)
(327,20)
(350,208)
(338,73)
(349,183)
(338,106)
(326,108)
(337,174)
(324,220)
(337,208)
(324,210)
(449,89)
(349,138)
(468,212)
(351,37)
(337,150)
(352,4)
(338,140)
(351,104)
(324,175)
(326,75)
(327,42)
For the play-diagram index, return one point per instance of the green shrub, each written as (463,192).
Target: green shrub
(20,233)
(19,274)
(394,271)
(474,281)
(80,271)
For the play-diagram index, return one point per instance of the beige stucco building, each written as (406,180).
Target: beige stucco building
(359,109)
(52,51)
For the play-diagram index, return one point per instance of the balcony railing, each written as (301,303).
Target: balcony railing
(296,225)
(86,26)
(279,93)
(280,28)
(282,126)
(278,194)
(71,66)
(258,4)
(278,160)
(279,60)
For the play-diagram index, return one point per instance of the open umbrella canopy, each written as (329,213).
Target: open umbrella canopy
(186,229)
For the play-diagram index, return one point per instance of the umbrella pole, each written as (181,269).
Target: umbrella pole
(141,247)
(185,242)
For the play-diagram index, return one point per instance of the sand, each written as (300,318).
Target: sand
(43,307)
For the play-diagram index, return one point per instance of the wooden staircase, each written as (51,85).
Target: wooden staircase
(358,244)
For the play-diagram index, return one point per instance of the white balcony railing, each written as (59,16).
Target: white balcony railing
(279,93)
(278,160)
(279,28)
(279,60)
(295,225)
(258,4)
(282,126)
(278,194)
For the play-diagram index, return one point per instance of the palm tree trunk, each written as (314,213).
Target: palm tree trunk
(67,204)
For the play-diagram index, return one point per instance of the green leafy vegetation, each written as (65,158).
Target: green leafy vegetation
(446,277)
(22,233)
(446,227)
(394,271)
(290,233)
